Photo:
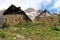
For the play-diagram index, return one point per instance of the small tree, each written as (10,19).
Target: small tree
(2,34)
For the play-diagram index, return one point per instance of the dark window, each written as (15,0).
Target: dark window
(15,20)
(51,18)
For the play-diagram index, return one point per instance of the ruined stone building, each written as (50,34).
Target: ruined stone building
(13,15)
(46,16)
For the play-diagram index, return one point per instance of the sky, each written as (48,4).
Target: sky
(50,5)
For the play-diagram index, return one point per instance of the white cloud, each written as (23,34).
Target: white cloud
(45,2)
(24,4)
(28,3)
(56,5)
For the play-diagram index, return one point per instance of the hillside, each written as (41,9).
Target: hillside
(31,31)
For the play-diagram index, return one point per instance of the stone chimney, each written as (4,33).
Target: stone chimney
(19,7)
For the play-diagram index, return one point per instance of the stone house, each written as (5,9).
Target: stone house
(46,16)
(13,15)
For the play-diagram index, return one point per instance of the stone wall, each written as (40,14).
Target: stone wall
(13,19)
(55,18)
(52,18)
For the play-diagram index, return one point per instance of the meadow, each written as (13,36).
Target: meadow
(31,31)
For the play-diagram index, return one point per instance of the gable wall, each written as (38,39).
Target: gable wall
(42,18)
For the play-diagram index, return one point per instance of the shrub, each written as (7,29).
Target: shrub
(2,34)
(56,29)
(22,24)
(4,25)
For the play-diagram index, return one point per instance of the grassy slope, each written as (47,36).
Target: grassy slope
(31,31)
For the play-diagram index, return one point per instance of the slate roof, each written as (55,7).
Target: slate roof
(44,12)
(13,9)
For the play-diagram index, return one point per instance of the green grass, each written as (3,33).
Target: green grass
(31,31)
